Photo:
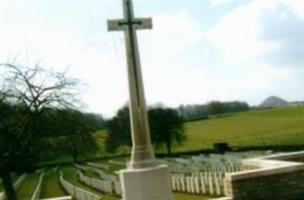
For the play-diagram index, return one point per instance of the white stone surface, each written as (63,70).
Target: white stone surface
(146,184)
(2,196)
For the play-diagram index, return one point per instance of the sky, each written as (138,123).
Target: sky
(197,51)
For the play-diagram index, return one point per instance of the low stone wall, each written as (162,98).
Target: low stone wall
(279,177)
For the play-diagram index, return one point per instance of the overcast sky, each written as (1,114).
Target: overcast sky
(198,50)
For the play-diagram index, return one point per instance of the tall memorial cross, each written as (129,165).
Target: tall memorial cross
(142,150)
(144,179)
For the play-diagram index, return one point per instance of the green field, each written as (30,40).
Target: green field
(280,126)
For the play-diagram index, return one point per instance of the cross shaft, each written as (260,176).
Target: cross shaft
(142,151)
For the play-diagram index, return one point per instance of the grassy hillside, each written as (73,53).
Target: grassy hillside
(281,126)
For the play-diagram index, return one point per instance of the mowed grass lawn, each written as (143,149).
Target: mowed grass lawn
(51,187)
(280,126)
(28,186)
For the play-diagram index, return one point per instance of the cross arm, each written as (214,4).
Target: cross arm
(138,24)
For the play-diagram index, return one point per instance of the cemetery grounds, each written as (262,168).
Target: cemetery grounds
(192,178)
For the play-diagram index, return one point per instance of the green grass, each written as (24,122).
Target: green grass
(112,167)
(28,186)
(183,196)
(100,138)
(91,173)
(50,185)
(281,126)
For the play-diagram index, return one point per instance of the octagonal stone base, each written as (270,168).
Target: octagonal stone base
(146,184)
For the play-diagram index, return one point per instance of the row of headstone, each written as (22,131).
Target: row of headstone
(117,188)
(18,183)
(56,168)
(101,185)
(116,162)
(36,194)
(102,174)
(59,198)
(81,167)
(194,167)
(100,166)
(77,192)
(106,186)
(210,184)
(105,176)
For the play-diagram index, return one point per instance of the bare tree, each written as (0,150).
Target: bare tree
(28,92)
(37,88)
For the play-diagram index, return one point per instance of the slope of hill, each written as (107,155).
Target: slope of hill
(273,101)
(277,126)
(280,126)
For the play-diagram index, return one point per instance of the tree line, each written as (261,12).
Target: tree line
(203,111)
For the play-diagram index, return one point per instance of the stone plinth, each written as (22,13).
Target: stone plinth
(146,184)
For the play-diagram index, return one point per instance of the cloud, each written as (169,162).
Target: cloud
(239,33)
(297,6)
(163,50)
(218,2)
(182,63)
(171,33)
(261,31)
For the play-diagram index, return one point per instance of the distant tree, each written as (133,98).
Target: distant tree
(215,107)
(236,106)
(193,112)
(119,130)
(96,121)
(75,129)
(166,127)
(28,93)
(202,111)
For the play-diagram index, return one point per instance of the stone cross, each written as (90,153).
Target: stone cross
(142,150)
